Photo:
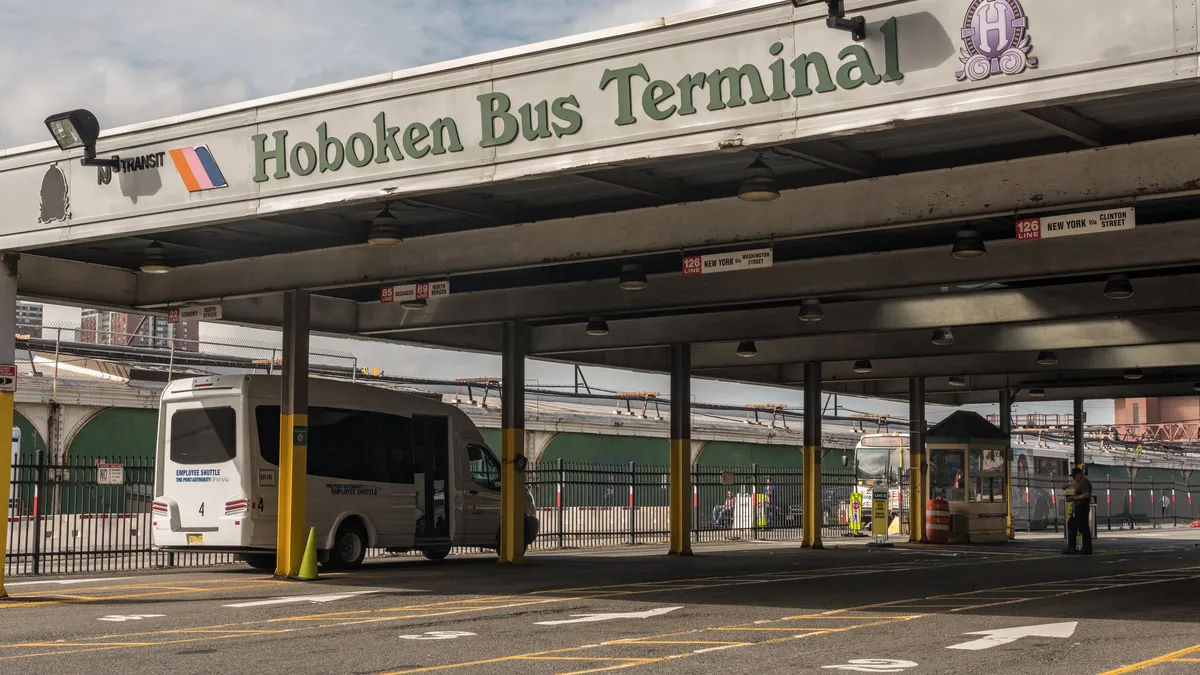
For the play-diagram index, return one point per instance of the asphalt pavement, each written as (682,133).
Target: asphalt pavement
(740,607)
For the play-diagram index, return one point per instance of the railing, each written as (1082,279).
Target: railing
(1040,420)
(1121,503)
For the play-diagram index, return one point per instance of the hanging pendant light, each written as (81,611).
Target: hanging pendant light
(385,229)
(1118,287)
(154,261)
(415,303)
(943,337)
(968,244)
(759,186)
(810,310)
(597,327)
(633,278)
(1133,374)
(958,381)
(862,367)
(747,349)
(1047,358)
(1037,393)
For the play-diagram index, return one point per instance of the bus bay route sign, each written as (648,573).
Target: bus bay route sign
(1076,223)
(8,378)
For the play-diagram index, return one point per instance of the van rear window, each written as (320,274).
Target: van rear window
(203,436)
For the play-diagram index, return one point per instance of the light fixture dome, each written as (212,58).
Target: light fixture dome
(385,229)
(1037,393)
(943,337)
(759,186)
(810,310)
(747,349)
(1133,374)
(1118,287)
(862,366)
(633,278)
(154,261)
(414,303)
(968,244)
(1047,358)
(958,381)
(597,327)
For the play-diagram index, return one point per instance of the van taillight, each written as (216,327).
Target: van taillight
(236,506)
(160,508)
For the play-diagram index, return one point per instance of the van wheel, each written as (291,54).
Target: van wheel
(260,561)
(349,546)
(436,553)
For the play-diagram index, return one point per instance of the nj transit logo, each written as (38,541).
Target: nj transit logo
(198,169)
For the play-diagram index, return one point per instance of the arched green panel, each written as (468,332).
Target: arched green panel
(612,450)
(837,459)
(723,453)
(24,472)
(492,438)
(118,435)
(1158,475)
(1111,473)
(31,440)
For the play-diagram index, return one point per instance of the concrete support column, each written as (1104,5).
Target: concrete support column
(512,443)
(681,450)
(1078,433)
(916,460)
(8,346)
(813,514)
(293,436)
(1006,427)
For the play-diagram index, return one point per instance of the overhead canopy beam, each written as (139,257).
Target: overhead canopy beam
(1152,246)
(988,190)
(1065,122)
(1049,303)
(834,156)
(1093,392)
(640,181)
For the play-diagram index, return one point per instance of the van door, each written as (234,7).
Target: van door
(431,459)
(482,496)
(202,471)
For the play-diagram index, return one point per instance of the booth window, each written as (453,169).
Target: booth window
(946,476)
(987,475)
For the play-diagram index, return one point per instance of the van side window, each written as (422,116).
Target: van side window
(205,435)
(346,444)
(485,468)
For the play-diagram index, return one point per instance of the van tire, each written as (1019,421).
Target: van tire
(349,545)
(259,561)
(436,553)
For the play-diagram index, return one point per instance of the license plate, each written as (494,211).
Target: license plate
(195,540)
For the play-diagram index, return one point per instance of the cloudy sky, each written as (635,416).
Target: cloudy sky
(135,60)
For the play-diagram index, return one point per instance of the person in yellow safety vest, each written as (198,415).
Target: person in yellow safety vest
(1081,507)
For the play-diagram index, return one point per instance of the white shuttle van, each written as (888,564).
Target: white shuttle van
(386,469)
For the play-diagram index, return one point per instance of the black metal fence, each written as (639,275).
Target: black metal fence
(1120,503)
(62,519)
(589,505)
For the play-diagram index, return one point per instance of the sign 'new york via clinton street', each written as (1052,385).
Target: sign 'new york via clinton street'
(636,93)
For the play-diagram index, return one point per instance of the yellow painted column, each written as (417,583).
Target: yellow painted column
(916,460)
(293,436)
(8,344)
(512,443)
(681,450)
(812,518)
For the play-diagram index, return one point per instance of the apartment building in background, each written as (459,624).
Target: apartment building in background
(30,317)
(137,330)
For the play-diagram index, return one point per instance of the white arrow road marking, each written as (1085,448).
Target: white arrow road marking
(129,617)
(1004,636)
(64,582)
(438,635)
(875,665)
(302,598)
(589,618)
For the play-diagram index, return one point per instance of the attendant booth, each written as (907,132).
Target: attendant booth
(968,467)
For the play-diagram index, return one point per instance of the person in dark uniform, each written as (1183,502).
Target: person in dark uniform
(1081,507)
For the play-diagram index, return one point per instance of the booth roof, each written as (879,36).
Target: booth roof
(967,427)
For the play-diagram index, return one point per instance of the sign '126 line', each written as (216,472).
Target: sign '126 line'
(728,262)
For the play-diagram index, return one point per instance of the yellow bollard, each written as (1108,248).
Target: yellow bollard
(308,568)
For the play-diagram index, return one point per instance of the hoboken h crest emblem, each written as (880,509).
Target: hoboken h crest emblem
(996,40)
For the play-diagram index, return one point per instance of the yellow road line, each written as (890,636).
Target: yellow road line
(1165,658)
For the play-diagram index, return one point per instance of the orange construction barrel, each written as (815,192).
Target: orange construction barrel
(937,521)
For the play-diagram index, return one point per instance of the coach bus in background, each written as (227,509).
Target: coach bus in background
(386,469)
